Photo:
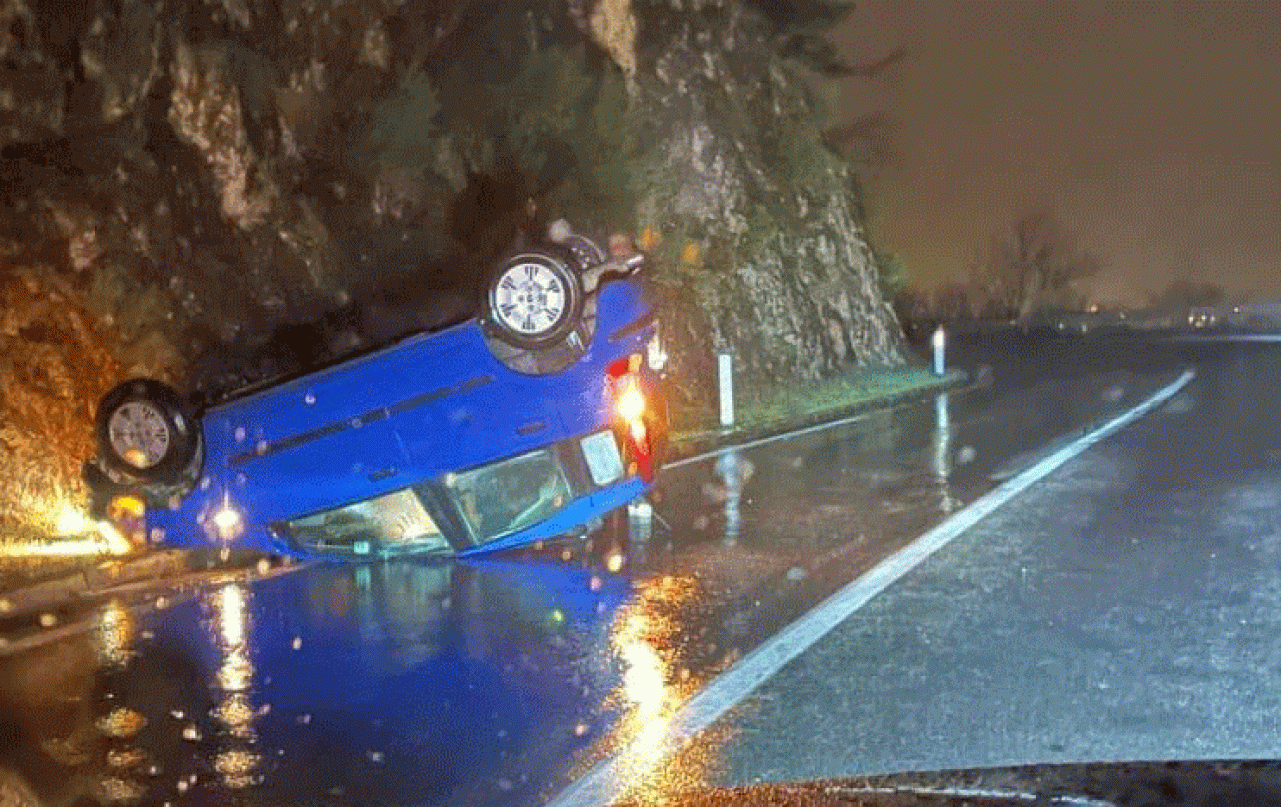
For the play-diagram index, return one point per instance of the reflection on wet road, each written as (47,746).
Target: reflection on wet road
(496,682)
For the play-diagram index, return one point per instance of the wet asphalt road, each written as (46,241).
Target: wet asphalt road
(1122,608)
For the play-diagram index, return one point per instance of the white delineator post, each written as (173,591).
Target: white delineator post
(939,341)
(725,367)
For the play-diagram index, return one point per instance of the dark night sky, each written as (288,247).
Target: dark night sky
(1154,128)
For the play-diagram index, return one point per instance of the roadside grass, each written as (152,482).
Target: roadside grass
(776,407)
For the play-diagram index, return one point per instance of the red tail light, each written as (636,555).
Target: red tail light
(630,406)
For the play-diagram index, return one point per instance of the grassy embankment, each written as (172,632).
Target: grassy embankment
(778,407)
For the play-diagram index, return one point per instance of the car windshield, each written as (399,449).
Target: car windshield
(392,522)
(507,496)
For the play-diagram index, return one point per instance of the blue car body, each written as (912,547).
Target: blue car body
(411,416)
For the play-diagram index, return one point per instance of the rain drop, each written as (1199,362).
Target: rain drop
(375,757)
(966,455)
(594,584)
(796,573)
(304,719)
(580,729)
(48,620)
(309,398)
(240,434)
(297,643)
(504,784)
(182,785)
(147,635)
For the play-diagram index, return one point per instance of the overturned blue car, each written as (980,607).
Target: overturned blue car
(524,423)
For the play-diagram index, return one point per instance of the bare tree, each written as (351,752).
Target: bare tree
(954,301)
(1036,263)
(1183,294)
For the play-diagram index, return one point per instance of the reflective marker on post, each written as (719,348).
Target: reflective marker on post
(726,373)
(939,341)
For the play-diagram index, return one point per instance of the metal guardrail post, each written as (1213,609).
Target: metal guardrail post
(725,372)
(939,341)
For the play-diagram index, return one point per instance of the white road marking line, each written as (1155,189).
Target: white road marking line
(613,776)
(1238,337)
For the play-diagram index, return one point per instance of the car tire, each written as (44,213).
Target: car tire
(523,282)
(146,431)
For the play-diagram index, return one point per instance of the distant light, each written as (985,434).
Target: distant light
(939,338)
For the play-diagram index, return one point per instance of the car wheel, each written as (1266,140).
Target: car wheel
(145,430)
(534,300)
